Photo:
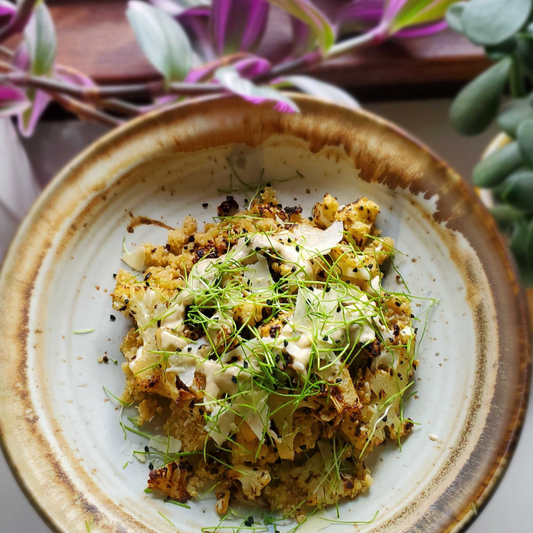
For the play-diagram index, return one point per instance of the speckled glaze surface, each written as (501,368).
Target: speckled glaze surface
(61,434)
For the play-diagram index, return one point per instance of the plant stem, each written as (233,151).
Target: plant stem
(93,94)
(120,106)
(85,111)
(19,20)
(372,38)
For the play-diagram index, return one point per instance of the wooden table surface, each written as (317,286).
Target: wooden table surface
(95,37)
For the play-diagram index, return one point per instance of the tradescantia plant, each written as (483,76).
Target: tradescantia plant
(203,47)
(505,29)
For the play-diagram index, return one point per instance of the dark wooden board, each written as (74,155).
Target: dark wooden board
(95,37)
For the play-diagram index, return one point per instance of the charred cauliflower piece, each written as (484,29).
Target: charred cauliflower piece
(325,213)
(358,219)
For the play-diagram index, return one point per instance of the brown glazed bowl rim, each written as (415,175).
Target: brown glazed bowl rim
(463,513)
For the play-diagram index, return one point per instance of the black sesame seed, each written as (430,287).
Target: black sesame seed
(310,218)
(115,276)
(328,289)
(147,276)
(397,304)
(338,309)
(245,364)
(234,379)
(285,343)
(325,338)
(355,269)
(293,269)
(151,466)
(201,411)
(257,248)
(251,518)
(339,380)
(112,318)
(370,266)
(189,349)
(205,205)
(146,449)
(269,302)
(297,248)
(126,301)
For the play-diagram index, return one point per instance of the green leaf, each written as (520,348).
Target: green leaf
(322,90)
(492,170)
(476,106)
(515,113)
(313,17)
(162,39)
(488,22)
(41,41)
(454,16)
(497,51)
(519,239)
(524,135)
(231,80)
(420,12)
(518,191)
(524,52)
(529,245)
(505,216)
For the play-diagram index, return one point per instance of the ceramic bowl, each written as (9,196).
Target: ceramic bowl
(60,431)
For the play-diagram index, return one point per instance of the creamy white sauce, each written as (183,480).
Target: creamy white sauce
(324,319)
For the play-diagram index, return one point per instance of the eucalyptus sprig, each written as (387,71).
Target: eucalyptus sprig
(202,47)
(505,29)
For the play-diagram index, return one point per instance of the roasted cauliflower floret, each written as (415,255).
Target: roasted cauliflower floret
(324,213)
(252,480)
(358,219)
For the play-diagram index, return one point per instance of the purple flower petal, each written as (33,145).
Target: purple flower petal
(230,79)
(7,9)
(252,66)
(308,13)
(303,39)
(28,119)
(196,25)
(423,31)
(238,25)
(22,60)
(12,101)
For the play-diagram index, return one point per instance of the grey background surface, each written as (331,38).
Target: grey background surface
(511,508)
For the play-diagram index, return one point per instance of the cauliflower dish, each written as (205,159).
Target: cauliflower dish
(271,352)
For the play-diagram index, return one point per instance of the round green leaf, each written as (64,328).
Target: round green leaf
(518,242)
(497,51)
(162,39)
(518,190)
(525,55)
(524,135)
(492,170)
(488,22)
(476,106)
(40,36)
(529,245)
(511,117)
(505,216)
(454,16)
